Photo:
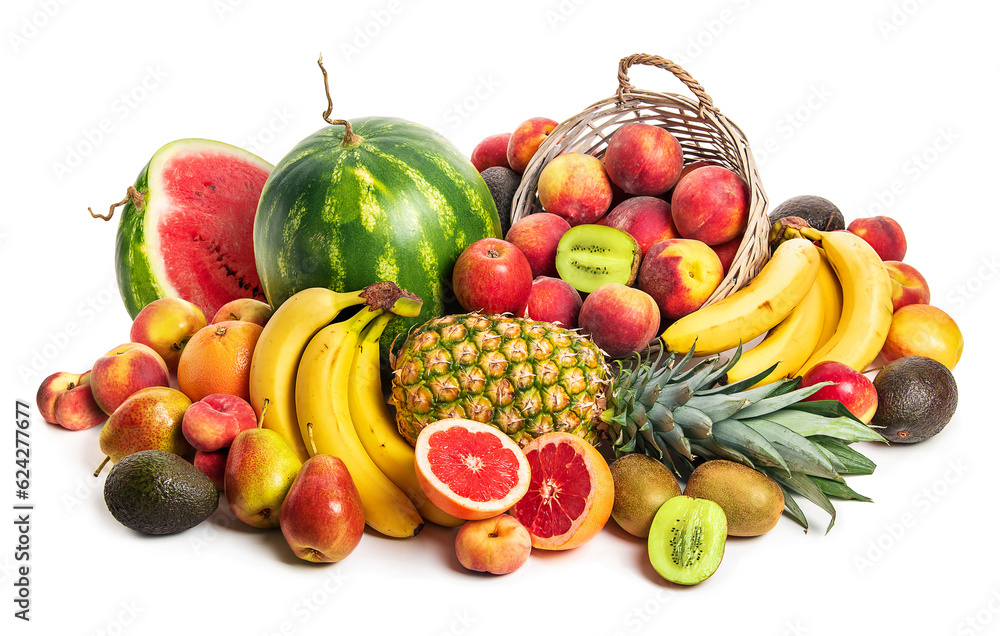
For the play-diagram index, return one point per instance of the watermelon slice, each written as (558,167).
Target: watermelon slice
(188,232)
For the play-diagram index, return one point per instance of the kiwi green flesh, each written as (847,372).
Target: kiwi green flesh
(589,256)
(687,539)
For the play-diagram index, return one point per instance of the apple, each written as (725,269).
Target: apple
(165,325)
(680,275)
(492,276)
(621,320)
(491,152)
(245,310)
(213,464)
(537,236)
(526,139)
(553,300)
(711,204)
(851,388)
(66,399)
(498,545)
(214,421)
(575,186)
(924,330)
(643,159)
(124,370)
(645,218)
(909,287)
(883,234)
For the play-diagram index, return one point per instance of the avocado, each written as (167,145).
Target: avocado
(917,397)
(157,492)
(816,211)
(503,183)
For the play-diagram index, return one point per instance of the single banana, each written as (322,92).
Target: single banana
(276,357)
(789,343)
(321,402)
(742,316)
(867,314)
(377,429)
(833,298)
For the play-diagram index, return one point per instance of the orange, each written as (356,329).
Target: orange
(217,360)
(571,492)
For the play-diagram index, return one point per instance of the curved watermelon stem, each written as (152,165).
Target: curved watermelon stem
(131,194)
(350,138)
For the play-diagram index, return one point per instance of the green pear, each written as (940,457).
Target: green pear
(149,419)
(259,471)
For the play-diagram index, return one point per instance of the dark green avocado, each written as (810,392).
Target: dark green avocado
(156,492)
(816,211)
(917,397)
(502,183)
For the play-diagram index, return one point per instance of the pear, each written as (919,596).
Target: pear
(259,471)
(322,517)
(149,419)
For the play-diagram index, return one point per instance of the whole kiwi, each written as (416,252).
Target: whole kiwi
(641,484)
(752,501)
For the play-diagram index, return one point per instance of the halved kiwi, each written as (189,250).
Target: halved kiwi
(589,256)
(687,539)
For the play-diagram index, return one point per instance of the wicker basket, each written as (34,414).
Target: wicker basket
(703,132)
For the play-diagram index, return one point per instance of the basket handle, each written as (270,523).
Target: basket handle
(625,87)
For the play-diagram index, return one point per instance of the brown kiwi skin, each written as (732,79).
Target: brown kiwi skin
(641,484)
(752,501)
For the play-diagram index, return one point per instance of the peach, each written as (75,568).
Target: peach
(711,204)
(124,370)
(680,275)
(67,400)
(491,152)
(643,159)
(165,325)
(727,252)
(526,139)
(537,236)
(575,186)
(553,300)
(244,309)
(621,320)
(498,545)
(909,287)
(851,388)
(214,421)
(213,464)
(646,218)
(883,234)
(923,330)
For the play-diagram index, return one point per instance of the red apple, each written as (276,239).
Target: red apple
(576,187)
(537,236)
(498,545)
(727,252)
(526,139)
(213,464)
(66,399)
(711,204)
(244,309)
(491,152)
(643,159)
(492,276)
(909,287)
(883,234)
(165,325)
(851,388)
(124,370)
(680,274)
(621,320)
(646,218)
(923,330)
(553,300)
(214,421)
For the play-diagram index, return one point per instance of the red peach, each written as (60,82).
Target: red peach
(645,218)
(621,320)
(491,152)
(727,252)
(214,421)
(553,300)
(124,370)
(923,330)
(680,274)
(883,234)
(213,464)
(851,388)
(576,187)
(643,159)
(537,236)
(909,287)
(711,204)
(498,545)
(67,400)
(526,139)
(166,325)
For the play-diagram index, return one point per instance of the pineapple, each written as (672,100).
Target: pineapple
(528,378)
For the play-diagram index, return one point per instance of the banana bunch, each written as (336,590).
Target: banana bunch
(832,302)
(315,381)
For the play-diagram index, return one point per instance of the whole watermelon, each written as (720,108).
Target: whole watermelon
(393,201)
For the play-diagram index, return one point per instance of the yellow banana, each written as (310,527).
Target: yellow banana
(376,425)
(833,298)
(276,357)
(867,313)
(321,403)
(789,343)
(767,300)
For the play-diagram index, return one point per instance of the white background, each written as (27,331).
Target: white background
(884,107)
